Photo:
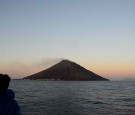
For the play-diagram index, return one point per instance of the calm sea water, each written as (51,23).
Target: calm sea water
(74,97)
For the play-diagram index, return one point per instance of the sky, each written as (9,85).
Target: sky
(97,34)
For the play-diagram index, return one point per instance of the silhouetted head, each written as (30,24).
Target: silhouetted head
(4,82)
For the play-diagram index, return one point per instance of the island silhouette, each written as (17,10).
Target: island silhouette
(68,71)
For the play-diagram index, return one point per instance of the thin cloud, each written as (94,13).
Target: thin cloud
(48,62)
(20,70)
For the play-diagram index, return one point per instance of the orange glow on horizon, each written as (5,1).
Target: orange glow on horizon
(108,70)
(104,69)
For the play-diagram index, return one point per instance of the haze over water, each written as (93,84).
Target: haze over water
(74,97)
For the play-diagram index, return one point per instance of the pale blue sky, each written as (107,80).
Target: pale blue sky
(100,32)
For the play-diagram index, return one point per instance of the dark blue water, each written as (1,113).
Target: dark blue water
(74,97)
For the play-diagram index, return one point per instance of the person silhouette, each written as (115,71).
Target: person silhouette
(8,105)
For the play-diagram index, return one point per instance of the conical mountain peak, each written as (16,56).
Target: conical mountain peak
(66,62)
(66,70)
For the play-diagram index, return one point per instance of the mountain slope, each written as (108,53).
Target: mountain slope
(66,70)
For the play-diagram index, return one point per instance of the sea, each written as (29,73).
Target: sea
(37,97)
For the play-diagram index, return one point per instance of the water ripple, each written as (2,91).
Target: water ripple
(74,97)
